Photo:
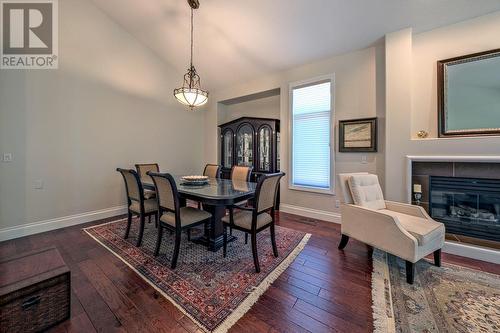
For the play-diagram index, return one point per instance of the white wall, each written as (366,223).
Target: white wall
(412,94)
(266,107)
(108,105)
(356,96)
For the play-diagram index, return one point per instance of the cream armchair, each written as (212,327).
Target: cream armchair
(404,230)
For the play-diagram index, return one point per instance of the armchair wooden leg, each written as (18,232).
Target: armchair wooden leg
(273,240)
(437,258)
(129,223)
(254,252)
(343,242)
(224,242)
(410,272)
(141,231)
(176,249)
(149,218)
(189,234)
(158,240)
(246,238)
(156,220)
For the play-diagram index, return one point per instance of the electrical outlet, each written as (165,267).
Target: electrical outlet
(337,203)
(363,159)
(38,184)
(7,157)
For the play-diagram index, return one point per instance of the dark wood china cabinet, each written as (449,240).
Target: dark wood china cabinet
(252,142)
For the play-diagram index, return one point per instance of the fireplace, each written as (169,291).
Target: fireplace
(467,206)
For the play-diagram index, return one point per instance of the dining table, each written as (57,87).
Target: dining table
(215,196)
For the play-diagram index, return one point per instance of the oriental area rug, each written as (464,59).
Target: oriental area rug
(450,298)
(213,291)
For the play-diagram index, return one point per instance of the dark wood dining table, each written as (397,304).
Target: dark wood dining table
(215,197)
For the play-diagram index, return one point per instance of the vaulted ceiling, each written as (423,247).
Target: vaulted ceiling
(238,40)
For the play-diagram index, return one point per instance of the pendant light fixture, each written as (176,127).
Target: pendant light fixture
(190,93)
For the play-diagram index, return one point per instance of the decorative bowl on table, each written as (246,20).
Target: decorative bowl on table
(194,180)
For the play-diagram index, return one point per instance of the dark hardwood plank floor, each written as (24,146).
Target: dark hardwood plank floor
(323,290)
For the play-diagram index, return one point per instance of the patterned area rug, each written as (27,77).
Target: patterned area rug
(213,291)
(442,299)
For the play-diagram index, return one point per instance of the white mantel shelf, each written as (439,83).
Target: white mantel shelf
(454,158)
(466,250)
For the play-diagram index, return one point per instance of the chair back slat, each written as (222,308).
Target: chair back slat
(143,169)
(166,190)
(241,173)
(266,191)
(212,171)
(132,184)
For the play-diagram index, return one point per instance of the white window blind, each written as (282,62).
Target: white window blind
(311,117)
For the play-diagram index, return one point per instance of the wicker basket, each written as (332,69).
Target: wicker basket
(38,306)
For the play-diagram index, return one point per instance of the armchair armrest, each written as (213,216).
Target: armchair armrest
(378,229)
(407,209)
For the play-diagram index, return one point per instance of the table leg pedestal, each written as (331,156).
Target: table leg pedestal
(214,239)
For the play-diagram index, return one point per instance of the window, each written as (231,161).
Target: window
(311,133)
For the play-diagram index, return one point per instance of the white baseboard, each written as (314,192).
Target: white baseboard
(60,222)
(311,213)
(474,252)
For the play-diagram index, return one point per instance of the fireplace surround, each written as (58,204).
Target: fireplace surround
(420,169)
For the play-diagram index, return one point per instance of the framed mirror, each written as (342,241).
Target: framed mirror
(469,95)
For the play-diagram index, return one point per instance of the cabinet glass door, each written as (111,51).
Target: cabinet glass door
(244,145)
(265,148)
(227,149)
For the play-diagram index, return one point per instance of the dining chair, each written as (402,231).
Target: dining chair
(239,172)
(252,220)
(212,170)
(142,170)
(172,216)
(136,202)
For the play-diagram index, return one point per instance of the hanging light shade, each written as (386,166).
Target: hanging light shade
(190,93)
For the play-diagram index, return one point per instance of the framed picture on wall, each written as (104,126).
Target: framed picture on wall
(358,135)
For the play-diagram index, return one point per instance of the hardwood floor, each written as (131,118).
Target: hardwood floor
(323,290)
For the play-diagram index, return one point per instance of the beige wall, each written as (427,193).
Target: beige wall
(412,94)
(266,107)
(356,96)
(108,105)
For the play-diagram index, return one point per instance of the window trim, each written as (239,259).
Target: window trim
(305,83)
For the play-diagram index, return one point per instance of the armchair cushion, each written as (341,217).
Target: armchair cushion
(424,230)
(366,191)
(243,219)
(344,185)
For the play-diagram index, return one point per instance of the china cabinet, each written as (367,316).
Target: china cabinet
(251,142)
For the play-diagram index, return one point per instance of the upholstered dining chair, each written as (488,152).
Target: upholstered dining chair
(212,170)
(142,170)
(241,172)
(172,216)
(136,203)
(404,230)
(257,218)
